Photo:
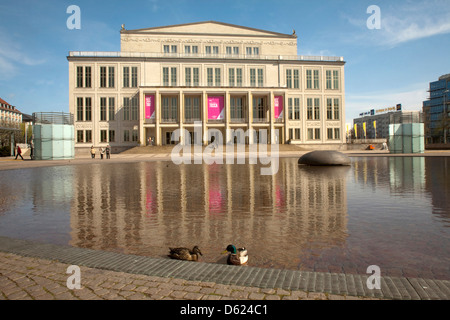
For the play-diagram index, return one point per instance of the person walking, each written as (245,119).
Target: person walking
(102,152)
(108,152)
(93,152)
(19,152)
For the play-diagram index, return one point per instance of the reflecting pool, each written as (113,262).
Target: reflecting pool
(393,212)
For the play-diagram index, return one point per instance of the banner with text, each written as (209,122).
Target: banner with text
(149,106)
(278,104)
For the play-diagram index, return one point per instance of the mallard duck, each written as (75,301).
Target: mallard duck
(236,257)
(185,253)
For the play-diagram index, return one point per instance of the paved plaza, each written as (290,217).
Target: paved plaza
(36,271)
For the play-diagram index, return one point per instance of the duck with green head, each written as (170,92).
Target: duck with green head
(237,256)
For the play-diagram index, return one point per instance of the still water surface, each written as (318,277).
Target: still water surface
(393,212)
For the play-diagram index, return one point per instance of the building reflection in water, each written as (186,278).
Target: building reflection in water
(144,208)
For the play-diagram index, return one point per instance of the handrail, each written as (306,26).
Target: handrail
(120,54)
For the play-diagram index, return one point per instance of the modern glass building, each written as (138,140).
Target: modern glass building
(226,77)
(436,112)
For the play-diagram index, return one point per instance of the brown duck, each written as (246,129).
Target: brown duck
(185,253)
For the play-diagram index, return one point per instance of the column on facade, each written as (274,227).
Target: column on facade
(227,137)
(205,118)
(181,117)
(250,117)
(158,118)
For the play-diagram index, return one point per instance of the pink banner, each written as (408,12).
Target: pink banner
(278,104)
(215,108)
(149,106)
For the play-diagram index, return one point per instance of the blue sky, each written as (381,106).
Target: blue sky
(384,66)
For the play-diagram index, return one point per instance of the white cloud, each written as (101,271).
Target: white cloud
(12,55)
(402,23)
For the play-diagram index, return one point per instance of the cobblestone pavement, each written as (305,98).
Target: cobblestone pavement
(27,278)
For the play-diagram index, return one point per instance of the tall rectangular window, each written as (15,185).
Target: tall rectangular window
(188,77)
(135,136)
(231,77)
(126,108)
(103,77)
(296,79)
(80,109)
(297,134)
(88,77)
(308,79)
(317,133)
(134,109)
(80,136)
(134,77)
(328,79)
(210,76)
(330,133)
(316,79)
(316,108)
(126,77)
(336,79)
(309,109)
(312,79)
(88,135)
(107,77)
(333,109)
(170,109)
(289,78)
(126,135)
(173,76)
(236,109)
(165,76)
(79,77)
(260,77)
(112,136)
(296,108)
(217,78)
(191,108)
(88,109)
(112,109)
(253,77)
(290,109)
(238,77)
(337,133)
(111,77)
(103,109)
(329,109)
(336,110)
(103,136)
(196,76)
(235,77)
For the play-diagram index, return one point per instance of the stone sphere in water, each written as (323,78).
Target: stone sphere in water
(325,158)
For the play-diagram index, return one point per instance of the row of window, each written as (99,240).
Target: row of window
(85,136)
(192,108)
(210,49)
(214,77)
(314,134)
(107,77)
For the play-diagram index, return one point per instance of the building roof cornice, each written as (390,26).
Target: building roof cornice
(160,31)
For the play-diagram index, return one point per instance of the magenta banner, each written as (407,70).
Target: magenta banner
(278,104)
(215,108)
(149,106)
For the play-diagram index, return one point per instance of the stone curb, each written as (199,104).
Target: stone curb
(331,283)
